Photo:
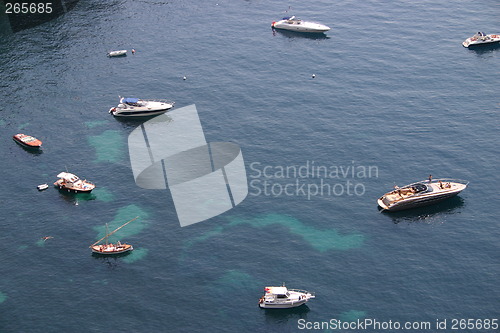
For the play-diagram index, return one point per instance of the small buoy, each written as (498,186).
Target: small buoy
(313,76)
(184,77)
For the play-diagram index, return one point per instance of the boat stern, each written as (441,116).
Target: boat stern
(382,202)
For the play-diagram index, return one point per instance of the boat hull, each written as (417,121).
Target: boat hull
(138,113)
(416,203)
(473,45)
(71,190)
(97,250)
(266,305)
(63,188)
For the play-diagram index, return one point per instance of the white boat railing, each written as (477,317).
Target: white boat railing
(302,291)
(158,100)
(451,180)
(444,180)
(287,301)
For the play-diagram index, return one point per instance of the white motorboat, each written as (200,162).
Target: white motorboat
(480,39)
(71,183)
(118,53)
(284,298)
(135,107)
(294,24)
(421,194)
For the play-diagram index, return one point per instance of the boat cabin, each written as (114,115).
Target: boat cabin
(278,292)
(68,178)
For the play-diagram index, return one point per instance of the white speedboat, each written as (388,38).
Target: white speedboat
(294,24)
(284,298)
(480,39)
(421,194)
(118,53)
(135,107)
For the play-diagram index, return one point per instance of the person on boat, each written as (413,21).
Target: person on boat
(430,179)
(407,191)
(441,185)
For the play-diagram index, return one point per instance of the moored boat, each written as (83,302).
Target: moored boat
(27,141)
(71,183)
(42,187)
(118,53)
(421,193)
(135,107)
(112,248)
(284,298)
(295,24)
(481,39)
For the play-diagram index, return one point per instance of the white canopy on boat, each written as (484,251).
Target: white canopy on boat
(277,290)
(68,176)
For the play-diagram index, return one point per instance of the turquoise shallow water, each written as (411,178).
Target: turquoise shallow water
(394,90)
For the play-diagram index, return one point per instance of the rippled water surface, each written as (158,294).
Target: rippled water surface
(395,98)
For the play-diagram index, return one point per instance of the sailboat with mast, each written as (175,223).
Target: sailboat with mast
(112,248)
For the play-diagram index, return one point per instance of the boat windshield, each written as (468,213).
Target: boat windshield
(419,188)
(291,19)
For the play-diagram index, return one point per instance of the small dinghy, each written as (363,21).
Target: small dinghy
(119,53)
(42,187)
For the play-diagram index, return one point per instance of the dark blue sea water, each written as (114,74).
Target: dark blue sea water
(395,98)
